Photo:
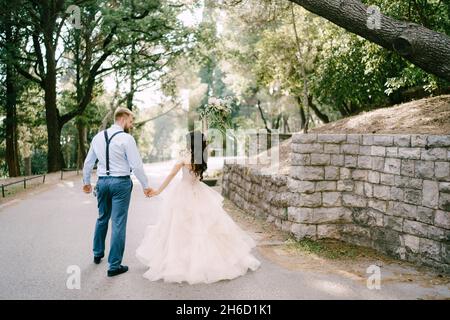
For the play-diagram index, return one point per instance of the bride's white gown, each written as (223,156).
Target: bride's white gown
(195,240)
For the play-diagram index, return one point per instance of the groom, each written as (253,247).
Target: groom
(117,156)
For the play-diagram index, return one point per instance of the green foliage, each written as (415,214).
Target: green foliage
(346,74)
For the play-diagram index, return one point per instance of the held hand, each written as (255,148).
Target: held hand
(148,192)
(154,193)
(87,188)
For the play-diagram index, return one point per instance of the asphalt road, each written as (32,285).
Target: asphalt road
(43,234)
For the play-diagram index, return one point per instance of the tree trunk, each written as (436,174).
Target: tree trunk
(322,116)
(302,61)
(286,123)
(12,152)
(49,12)
(82,141)
(55,160)
(302,113)
(258,104)
(27,166)
(427,49)
(130,95)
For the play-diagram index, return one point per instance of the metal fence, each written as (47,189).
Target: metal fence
(24,180)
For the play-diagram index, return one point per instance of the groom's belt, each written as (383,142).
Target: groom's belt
(117,177)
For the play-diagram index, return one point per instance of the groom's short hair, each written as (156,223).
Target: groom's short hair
(120,112)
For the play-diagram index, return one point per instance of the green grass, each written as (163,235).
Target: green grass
(330,249)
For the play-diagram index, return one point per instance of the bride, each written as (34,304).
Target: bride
(195,240)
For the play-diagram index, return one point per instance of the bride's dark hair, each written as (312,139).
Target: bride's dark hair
(196,143)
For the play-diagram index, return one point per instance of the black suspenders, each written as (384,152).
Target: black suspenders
(108,141)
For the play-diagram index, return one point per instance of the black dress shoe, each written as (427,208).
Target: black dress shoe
(98,259)
(116,272)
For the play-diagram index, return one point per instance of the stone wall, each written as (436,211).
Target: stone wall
(388,192)
(262,195)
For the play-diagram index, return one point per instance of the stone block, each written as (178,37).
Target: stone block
(376,204)
(365,150)
(300,159)
(328,231)
(402,140)
(392,165)
(407,168)
(367,139)
(397,194)
(415,228)
(430,248)
(331,173)
(394,223)
(425,215)
(367,217)
(407,182)
(401,209)
(364,162)
(383,140)
(382,192)
(308,173)
(345,173)
(320,159)
(439,140)
(326,186)
(337,160)
(304,138)
(331,138)
(424,169)
(434,154)
(354,138)
(444,187)
(409,153)
(392,152)
(368,189)
(373,177)
(307,148)
(331,148)
(442,219)
(418,140)
(360,175)
(302,231)
(350,161)
(442,170)
(444,201)
(300,186)
(332,215)
(412,243)
(378,163)
(331,199)
(413,196)
(345,185)
(310,200)
(387,179)
(430,193)
(350,149)
(352,200)
(378,151)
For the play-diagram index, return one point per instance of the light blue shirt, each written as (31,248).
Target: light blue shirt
(123,156)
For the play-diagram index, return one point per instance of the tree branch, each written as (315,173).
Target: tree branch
(427,49)
(140,123)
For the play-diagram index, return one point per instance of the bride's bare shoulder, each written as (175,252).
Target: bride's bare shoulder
(184,159)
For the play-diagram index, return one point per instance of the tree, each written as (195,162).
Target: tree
(120,25)
(428,49)
(10,41)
